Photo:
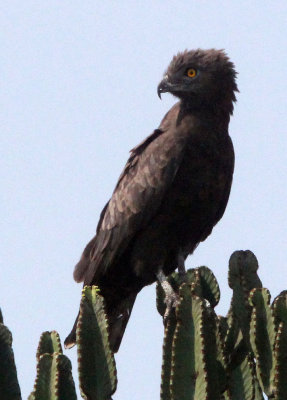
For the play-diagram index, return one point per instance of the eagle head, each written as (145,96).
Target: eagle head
(201,78)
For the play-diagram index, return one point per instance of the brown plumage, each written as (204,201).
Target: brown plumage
(172,191)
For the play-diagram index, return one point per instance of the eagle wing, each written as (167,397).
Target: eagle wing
(139,192)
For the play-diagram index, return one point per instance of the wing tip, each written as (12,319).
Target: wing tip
(80,269)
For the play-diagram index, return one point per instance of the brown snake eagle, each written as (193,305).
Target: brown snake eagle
(172,191)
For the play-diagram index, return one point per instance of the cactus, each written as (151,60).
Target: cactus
(165,393)
(242,278)
(262,337)
(279,308)
(190,353)
(205,356)
(97,373)
(237,357)
(9,386)
(54,379)
(96,364)
(49,343)
(194,371)
(242,382)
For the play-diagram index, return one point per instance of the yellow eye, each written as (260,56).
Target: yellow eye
(191,72)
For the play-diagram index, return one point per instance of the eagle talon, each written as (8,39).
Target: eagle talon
(171,297)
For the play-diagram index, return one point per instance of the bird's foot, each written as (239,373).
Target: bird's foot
(171,297)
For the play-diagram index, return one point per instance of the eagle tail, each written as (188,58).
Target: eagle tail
(70,340)
(118,317)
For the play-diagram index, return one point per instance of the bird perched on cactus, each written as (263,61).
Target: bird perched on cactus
(172,191)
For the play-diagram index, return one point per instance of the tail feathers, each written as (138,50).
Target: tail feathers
(70,340)
(118,318)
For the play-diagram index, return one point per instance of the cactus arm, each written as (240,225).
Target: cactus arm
(194,365)
(96,364)
(209,285)
(262,337)
(65,386)
(54,379)
(9,386)
(242,278)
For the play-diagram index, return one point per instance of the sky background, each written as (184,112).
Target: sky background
(78,90)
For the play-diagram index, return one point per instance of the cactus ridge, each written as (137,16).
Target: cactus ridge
(262,337)
(186,355)
(193,359)
(54,379)
(221,356)
(167,358)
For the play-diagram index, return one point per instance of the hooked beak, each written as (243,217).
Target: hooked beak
(163,87)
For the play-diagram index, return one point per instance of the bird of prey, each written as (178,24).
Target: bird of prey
(173,190)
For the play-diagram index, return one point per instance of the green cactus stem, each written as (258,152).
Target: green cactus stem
(54,379)
(242,278)
(243,384)
(165,393)
(49,343)
(208,284)
(262,337)
(96,364)
(194,372)
(9,386)
(221,330)
(279,307)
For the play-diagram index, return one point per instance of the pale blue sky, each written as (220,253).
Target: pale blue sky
(78,90)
